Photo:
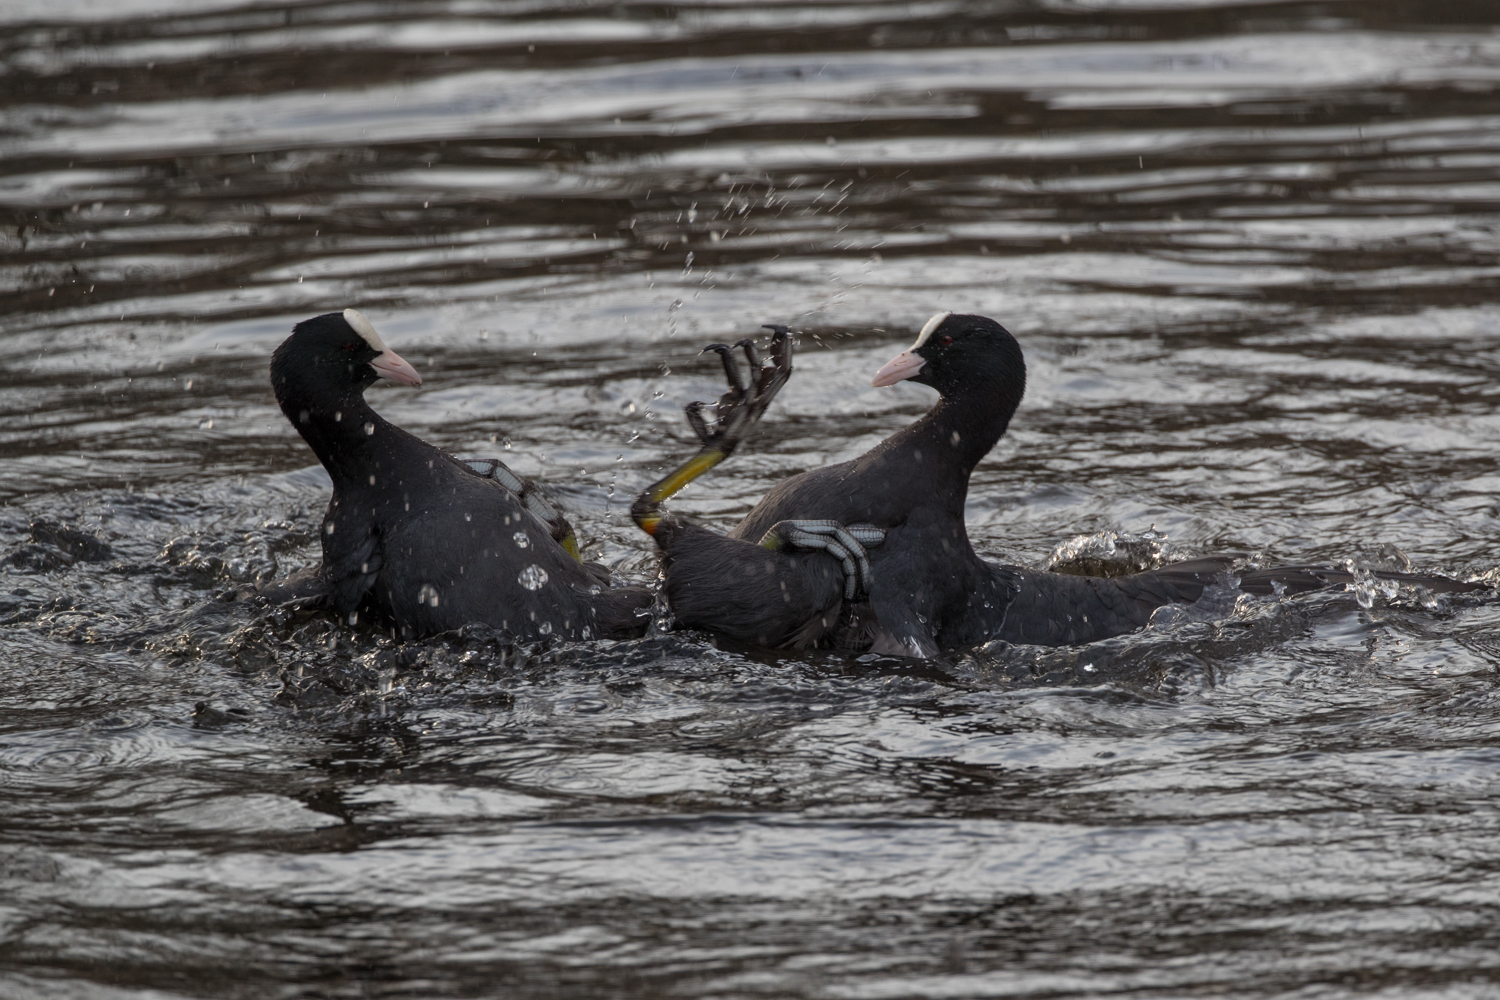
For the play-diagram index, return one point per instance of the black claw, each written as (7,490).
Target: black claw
(749,393)
(694,411)
(781,349)
(737,380)
(752,355)
(735,414)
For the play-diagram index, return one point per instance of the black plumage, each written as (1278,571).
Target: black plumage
(912,485)
(414,535)
(928,588)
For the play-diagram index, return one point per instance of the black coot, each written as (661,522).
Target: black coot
(783,591)
(926,589)
(913,486)
(415,536)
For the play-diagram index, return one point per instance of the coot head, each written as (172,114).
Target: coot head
(956,354)
(334,356)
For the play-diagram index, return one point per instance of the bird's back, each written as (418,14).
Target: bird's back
(454,548)
(1059,609)
(475,554)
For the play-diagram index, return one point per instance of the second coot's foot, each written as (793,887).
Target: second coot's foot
(846,543)
(531,497)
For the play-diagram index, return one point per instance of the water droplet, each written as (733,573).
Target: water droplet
(428,595)
(1364,585)
(533,577)
(545,628)
(468,517)
(523,541)
(628,408)
(369,428)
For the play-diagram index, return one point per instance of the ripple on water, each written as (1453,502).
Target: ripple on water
(1249,253)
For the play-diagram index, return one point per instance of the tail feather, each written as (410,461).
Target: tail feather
(1056,609)
(1302,579)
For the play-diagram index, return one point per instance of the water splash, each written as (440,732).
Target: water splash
(1109,553)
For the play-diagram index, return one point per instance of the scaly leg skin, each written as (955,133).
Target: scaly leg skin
(736,412)
(531,498)
(846,543)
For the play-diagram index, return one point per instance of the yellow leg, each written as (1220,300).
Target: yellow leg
(647,507)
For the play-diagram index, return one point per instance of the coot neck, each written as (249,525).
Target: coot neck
(343,431)
(954,435)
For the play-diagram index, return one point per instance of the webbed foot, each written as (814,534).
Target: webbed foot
(530,496)
(741,408)
(845,542)
(737,411)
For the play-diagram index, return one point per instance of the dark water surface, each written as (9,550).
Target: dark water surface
(1250,250)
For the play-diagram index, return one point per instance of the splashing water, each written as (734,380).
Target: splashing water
(1248,249)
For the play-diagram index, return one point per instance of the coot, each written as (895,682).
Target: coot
(924,587)
(415,536)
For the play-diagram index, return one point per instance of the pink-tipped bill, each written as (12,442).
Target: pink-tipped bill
(902,366)
(389,364)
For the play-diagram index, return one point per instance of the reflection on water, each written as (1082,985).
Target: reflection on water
(1249,249)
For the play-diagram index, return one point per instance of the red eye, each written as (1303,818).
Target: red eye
(350,346)
(945,340)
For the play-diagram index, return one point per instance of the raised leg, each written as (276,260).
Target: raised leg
(736,412)
(846,543)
